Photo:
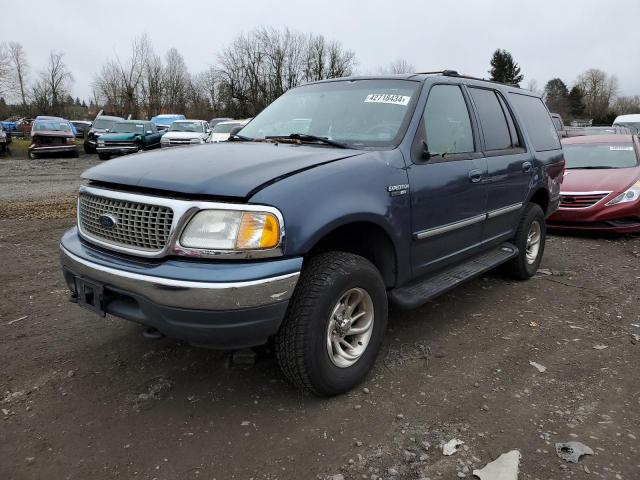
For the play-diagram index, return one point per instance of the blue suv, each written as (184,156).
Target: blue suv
(341,196)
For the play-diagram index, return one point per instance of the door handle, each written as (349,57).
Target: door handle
(527,167)
(475,176)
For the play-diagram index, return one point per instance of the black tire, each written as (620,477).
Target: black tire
(520,268)
(301,343)
(33,156)
(104,156)
(89,150)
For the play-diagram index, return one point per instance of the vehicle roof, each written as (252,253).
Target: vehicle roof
(46,117)
(169,115)
(227,122)
(187,120)
(422,77)
(133,121)
(81,121)
(634,117)
(108,117)
(598,139)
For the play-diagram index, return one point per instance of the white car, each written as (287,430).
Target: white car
(632,122)
(186,132)
(222,130)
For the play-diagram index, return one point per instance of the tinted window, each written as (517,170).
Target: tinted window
(537,121)
(494,123)
(446,121)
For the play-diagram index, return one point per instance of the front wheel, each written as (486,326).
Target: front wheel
(530,240)
(334,325)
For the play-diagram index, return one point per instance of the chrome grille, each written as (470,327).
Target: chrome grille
(136,225)
(119,144)
(580,200)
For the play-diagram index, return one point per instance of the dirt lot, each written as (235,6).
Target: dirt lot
(84,397)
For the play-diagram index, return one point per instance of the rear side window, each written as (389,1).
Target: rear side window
(446,121)
(538,122)
(493,119)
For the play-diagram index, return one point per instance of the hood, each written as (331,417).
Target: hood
(604,180)
(183,135)
(118,137)
(229,169)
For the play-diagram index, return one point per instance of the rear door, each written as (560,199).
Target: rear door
(448,196)
(509,164)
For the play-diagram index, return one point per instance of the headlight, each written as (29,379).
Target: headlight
(101,143)
(631,195)
(196,140)
(231,230)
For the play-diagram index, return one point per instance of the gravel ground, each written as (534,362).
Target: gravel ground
(84,397)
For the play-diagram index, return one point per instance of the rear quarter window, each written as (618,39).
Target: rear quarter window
(537,121)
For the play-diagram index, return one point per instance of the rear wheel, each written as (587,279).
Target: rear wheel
(530,240)
(335,323)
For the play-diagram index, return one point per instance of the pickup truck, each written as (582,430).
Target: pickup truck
(128,136)
(399,189)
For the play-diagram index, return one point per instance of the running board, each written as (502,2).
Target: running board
(421,291)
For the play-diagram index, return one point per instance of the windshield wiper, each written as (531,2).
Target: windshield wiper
(591,168)
(240,138)
(303,137)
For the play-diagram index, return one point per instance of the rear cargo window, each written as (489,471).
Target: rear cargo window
(537,121)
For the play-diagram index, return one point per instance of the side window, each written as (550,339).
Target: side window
(495,128)
(152,127)
(447,126)
(538,122)
(516,139)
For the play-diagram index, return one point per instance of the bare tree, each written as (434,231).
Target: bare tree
(54,83)
(626,105)
(107,88)
(398,66)
(20,70)
(176,81)
(599,91)
(131,72)
(152,85)
(5,69)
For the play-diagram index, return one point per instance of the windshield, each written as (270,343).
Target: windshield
(104,124)
(633,126)
(186,127)
(600,155)
(225,127)
(123,127)
(359,113)
(57,125)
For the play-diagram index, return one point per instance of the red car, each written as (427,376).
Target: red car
(601,185)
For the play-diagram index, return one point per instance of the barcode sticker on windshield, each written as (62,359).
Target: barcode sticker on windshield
(620,149)
(387,98)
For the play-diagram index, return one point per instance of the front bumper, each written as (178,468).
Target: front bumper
(621,218)
(53,149)
(213,304)
(118,150)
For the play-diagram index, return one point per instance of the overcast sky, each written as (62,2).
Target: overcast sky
(548,38)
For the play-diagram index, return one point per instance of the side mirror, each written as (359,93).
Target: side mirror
(426,155)
(235,130)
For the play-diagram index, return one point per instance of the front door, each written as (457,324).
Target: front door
(448,194)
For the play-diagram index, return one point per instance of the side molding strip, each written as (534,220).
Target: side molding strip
(432,232)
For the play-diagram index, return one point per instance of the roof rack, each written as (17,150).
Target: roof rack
(453,73)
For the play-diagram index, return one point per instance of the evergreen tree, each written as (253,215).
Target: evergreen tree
(556,95)
(504,69)
(576,102)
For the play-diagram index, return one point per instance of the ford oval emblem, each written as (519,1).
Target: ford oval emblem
(107,221)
